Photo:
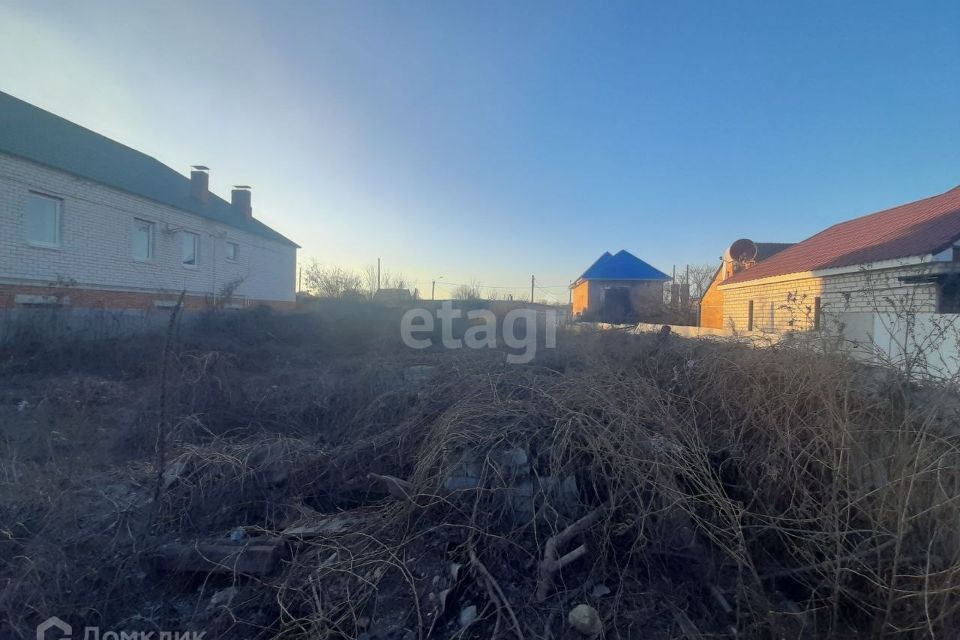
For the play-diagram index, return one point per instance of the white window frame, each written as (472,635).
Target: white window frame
(58,223)
(196,249)
(151,239)
(236,251)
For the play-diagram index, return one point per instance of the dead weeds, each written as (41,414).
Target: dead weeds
(678,489)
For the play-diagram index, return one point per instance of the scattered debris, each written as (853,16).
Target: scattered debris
(174,471)
(468,615)
(255,557)
(510,471)
(224,597)
(418,374)
(466,473)
(586,620)
(553,562)
(599,590)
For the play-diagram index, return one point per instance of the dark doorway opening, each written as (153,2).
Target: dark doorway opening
(616,305)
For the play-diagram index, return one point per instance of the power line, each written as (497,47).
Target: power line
(493,286)
(480,285)
(549,294)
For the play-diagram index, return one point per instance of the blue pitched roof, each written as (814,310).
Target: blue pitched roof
(623,265)
(40,136)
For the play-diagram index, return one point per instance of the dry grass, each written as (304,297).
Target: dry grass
(738,492)
(767,491)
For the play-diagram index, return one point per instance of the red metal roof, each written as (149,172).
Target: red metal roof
(915,229)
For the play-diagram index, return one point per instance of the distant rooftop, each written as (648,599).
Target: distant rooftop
(622,265)
(42,137)
(769,249)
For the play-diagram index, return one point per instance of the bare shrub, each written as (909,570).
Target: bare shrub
(471,291)
(332,282)
(722,491)
(766,491)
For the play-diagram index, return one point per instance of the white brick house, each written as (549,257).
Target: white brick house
(904,259)
(86,222)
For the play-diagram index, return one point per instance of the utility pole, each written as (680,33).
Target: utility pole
(378,274)
(299,279)
(570,293)
(674,291)
(533,280)
(433,289)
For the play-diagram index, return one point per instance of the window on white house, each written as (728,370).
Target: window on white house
(233,251)
(41,220)
(142,239)
(191,246)
(948,295)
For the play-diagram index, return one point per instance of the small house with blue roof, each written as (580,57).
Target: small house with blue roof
(617,288)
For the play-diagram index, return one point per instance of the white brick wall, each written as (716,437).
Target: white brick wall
(96,242)
(792,299)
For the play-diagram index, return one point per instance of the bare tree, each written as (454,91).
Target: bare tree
(332,282)
(387,280)
(394,281)
(370,278)
(470,291)
(701,275)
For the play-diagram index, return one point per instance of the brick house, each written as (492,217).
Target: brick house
(618,287)
(711,303)
(88,223)
(882,263)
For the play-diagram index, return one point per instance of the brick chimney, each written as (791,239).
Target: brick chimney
(199,183)
(240,199)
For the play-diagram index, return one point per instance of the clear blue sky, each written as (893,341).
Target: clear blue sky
(493,140)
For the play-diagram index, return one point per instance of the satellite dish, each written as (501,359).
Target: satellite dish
(743,250)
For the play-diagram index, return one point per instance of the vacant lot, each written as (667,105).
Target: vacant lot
(306,476)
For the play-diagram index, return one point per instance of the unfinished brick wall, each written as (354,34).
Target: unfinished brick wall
(581,298)
(644,295)
(711,307)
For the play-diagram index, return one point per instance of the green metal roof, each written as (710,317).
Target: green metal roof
(40,136)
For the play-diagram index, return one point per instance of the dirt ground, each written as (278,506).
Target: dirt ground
(307,476)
